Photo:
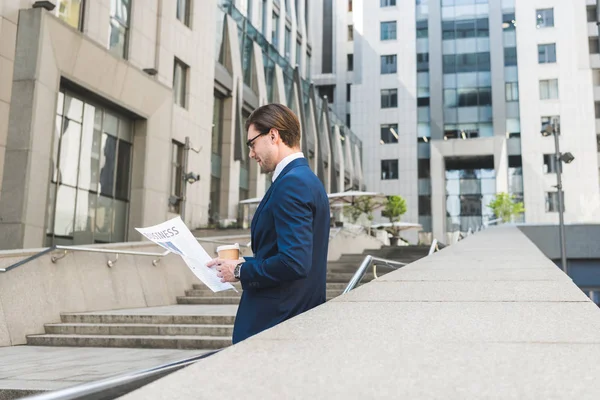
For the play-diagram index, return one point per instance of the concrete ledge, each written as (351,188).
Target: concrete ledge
(489,317)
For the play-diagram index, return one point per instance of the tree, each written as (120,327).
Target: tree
(505,207)
(361,205)
(394,208)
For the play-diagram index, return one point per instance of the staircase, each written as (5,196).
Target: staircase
(201,320)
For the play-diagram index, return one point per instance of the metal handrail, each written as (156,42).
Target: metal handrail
(66,249)
(116,386)
(368,260)
(110,263)
(434,247)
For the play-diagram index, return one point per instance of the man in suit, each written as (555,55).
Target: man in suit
(290,230)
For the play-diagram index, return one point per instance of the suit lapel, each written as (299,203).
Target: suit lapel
(296,163)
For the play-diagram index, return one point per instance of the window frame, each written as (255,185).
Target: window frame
(177,96)
(391,163)
(186,18)
(542,17)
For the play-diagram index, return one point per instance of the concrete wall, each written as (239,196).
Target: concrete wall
(582,241)
(489,317)
(349,243)
(36,293)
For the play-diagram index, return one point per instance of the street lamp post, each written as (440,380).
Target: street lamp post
(567,158)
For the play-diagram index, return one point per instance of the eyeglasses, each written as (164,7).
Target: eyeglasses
(250,143)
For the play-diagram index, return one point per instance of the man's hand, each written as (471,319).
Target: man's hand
(224,268)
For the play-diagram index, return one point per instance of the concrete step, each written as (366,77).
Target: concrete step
(207,300)
(344,277)
(218,300)
(147,319)
(200,286)
(129,341)
(209,293)
(139,329)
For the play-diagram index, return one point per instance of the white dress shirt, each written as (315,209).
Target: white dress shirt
(283,163)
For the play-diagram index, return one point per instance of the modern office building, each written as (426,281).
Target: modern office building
(116,114)
(449,98)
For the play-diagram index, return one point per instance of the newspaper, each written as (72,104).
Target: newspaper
(173,235)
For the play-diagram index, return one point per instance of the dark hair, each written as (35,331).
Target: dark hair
(276,116)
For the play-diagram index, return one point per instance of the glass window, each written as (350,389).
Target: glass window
(70,11)
(275,30)
(91,171)
(288,43)
(387,3)
(389,133)
(597,109)
(513,128)
(551,164)
(449,63)
(424,168)
(591,13)
(422,29)
(510,56)
(465,29)
(512,91)
(389,98)
(348,92)
(482,25)
(425,202)
(119,27)
(350,62)
(545,18)
(466,62)
(349,5)
(299,55)
(509,22)
(389,64)
(327,90)
(467,97)
(180,71)
(183,11)
(389,169)
(350,33)
(547,53)
(450,99)
(593,45)
(388,30)
(422,62)
(177,150)
(552,202)
(549,89)
(554,120)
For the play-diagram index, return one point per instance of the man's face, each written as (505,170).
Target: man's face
(262,149)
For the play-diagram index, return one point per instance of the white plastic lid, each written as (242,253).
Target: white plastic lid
(234,246)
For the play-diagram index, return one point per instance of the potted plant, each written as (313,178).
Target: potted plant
(505,207)
(394,208)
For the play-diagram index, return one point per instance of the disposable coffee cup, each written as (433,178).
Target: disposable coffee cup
(229,252)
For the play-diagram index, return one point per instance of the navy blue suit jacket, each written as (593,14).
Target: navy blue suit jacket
(290,238)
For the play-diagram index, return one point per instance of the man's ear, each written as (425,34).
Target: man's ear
(274,133)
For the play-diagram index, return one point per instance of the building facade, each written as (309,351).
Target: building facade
(449,98)
(116,114)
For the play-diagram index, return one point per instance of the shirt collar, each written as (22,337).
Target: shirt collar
(283,163)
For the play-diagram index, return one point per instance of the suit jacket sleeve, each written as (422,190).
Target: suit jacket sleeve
(293,217)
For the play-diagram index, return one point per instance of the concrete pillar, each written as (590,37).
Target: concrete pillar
(438,192)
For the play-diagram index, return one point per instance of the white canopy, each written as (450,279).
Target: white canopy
(401,225)
(254,200)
